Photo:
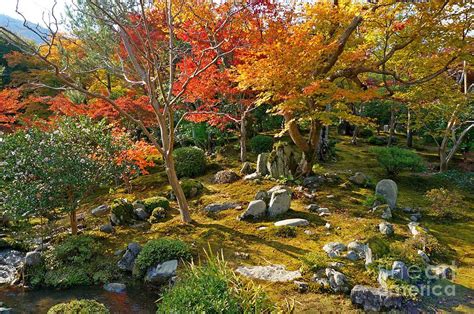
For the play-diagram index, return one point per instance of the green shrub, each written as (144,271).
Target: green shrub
(153,202)
(123,211)
(191,188)
(261,144)
(189,162)
(285,232)
(158,251)
(77,261)
(377,140)
(444,203)
(395,159)
(462,179)
(79,307)
(214,288)
(365,133)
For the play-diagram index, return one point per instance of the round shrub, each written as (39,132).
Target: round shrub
(122,212)
(261,144)
(158,251)
(365,133)
(395,159)
(153,202)
(189,162)
(79,307)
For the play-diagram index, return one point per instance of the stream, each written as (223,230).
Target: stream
(136,300)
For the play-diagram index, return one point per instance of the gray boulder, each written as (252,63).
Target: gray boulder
(337,280)
(389,190)
(255,209)
(246,168)
(262,164)
(386,228)
(359,178)
(217,207)
(415,217)
(279,202)
(115,287)
(226,176)
(102,210)
(138,204)
(313,208)
(127,261)
(334,249)
(141,213)
(33,258)
(273,273)
(313,182)
(352,256)
(375,299)
(294,222)
(161,273)
(107,228)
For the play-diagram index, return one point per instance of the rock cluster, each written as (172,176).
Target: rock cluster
(270,203)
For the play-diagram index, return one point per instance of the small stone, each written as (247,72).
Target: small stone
(415,217)
(141,213)
(262,196)
(330,196)
(353,256)
(313,208)
(262,228)
(138,204)
(107,228)
(336,264)
(399,270)
(115,287)
(413,227)
(102,210)
(279,202)
(337,280)
(301,286)
(242,255)
(6,310)
(252,176)
(386,228)
(295,222)
(441,271)
(327,225)
(128,259)
(359,178)
(308,232)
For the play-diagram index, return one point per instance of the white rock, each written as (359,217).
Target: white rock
(273,273)
(295,222)
(255,209)
(279,202)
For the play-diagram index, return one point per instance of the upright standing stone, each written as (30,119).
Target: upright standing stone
(388,189)
(262,164)
(279,203)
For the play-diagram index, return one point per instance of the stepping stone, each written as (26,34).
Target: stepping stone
(294,222)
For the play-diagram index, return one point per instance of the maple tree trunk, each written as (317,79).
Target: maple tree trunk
(354,136)
(177,189)
(73,220)
(443,161)
(243,140)
(409,131)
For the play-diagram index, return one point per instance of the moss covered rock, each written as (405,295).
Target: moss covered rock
(121,212)
(79,307)
(191,188)
(153,202)
(157,215)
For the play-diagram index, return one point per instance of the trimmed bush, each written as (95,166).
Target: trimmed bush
(214,288)
(158,251)
(79,307)
(395,159)
(153,202)
(377,140)
(123,211)
(261,144)
(365,133)
(190,162)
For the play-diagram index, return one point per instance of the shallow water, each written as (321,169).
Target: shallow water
(136,300)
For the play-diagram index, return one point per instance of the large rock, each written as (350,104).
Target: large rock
(128,259)
(386,228)
(10,262)
(256,209)
(33,258)
(283,161)
(102,210)
(375,299)
(280,201)
(161,273)
(294,222)
(247,168)
(337,280)
(359,178)
(274,273)
(358,248)
(262,164)
(217,207)
(226,176)
(115,287)
(121,212)
(388,189)
(141,213)
(334,249)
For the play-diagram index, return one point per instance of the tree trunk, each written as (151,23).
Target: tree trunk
(177,189)
(443,162)
(243,139)
(73,219)
(409,131)
(354,136)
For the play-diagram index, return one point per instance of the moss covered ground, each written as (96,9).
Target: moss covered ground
(350,220)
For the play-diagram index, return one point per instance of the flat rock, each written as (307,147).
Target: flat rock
(252,176)
(273,273)
(102,210)
(107,228)
(295,222)
(226,176)
(115,287)
(359,178)
(375,299)
(217,207)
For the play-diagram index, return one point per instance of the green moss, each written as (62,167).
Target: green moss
(191,188)
(79,307)
(285,231)
(123,211)
(157,215)
(154,202)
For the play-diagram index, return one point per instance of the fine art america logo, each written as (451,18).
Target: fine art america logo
(418,281)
